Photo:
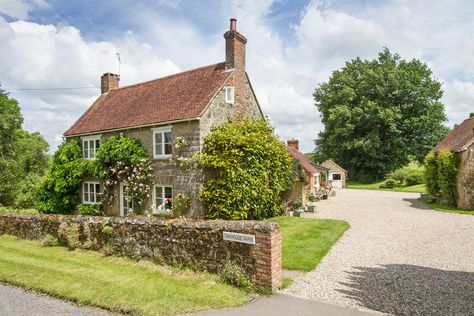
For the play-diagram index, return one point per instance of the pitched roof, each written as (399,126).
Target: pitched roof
(304,161)
(459,138)
(180,96)
(331,162)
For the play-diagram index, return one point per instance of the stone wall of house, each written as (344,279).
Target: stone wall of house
(168,172)
(219,111)
(196,244)
(465,159)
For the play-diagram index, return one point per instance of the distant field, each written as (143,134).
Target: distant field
(419,188)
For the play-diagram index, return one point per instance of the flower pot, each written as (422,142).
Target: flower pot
(298,213)
(311,208)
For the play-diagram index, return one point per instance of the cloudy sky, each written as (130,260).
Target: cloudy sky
(292,46)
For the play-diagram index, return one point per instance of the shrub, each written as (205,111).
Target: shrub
(49,241)
(248,171)
(447,169)
(58,192)
(181,204)
(90,210)
(400,174)
(431,174)
(414,179)
(234,275)
(72,236)
(389,184)
(312,198)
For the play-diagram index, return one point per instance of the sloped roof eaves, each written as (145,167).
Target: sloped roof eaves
(458,139)
(330,161)
(302,159)
(183,96)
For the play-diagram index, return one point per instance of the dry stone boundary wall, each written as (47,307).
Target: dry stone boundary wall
(195,244)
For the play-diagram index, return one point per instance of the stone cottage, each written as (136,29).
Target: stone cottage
(337,174)
(159,112)
(461,142)
(315,175)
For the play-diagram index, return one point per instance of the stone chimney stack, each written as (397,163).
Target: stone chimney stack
(109,81)
(234,48)
(294,143)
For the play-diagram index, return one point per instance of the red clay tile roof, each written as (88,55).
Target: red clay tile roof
(176,97)
(304,161)
(458,138)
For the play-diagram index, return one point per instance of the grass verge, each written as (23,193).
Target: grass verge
(117,284)
(305,241)
(446,208)
(7,210)
(419,188)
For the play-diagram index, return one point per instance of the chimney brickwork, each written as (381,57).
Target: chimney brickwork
(109,81)
(294,143)
(235,59)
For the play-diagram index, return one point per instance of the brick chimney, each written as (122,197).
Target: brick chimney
(109,81)
(234,47)
(294,143)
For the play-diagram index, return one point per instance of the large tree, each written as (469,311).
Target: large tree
(23,156)
(378,113)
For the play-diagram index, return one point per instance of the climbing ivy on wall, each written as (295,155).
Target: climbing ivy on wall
(440,175)
(119,159)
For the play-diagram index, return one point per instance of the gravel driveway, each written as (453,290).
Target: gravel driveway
(398,257)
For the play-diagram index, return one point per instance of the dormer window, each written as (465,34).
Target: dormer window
(162,143)
(90,144)
(229,95)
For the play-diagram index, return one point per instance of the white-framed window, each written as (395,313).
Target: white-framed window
(126,203)
(229,95)
(162,142)
(162,197)
(90,192)
(90,144)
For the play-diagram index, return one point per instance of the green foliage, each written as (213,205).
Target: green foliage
(249,170)
(411,174)
(120,148)
(23,156)
(311,197)
(181,204)
(234,275)
(414,179)
(440,175)
(447,169)
(431,174)
(377,113)
(58,192)
(90,210)
(123,159)
(389,184)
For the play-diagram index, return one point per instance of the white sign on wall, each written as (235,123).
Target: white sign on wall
(242,238)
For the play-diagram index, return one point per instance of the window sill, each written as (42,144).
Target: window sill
(167,157)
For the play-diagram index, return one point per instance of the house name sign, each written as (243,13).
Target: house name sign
(242,238)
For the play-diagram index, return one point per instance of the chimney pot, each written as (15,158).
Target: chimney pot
(233,24)
(109,81)
(294,143)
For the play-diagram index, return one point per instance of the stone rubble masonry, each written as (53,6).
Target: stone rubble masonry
(196,244)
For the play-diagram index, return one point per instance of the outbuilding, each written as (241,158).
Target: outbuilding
(337,175)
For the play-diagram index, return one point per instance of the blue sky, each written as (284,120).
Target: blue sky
(292,47)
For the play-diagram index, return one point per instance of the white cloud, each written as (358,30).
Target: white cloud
(19,8)
(44,56)
(284,72)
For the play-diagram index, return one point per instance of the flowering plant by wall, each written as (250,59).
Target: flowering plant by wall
(181,204)
(124,160)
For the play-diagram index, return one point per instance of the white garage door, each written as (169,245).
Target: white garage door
(336,180)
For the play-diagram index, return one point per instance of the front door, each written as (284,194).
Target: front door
(125,200)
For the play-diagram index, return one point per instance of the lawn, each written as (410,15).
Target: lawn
(5,210)
(419,188)
(117,284)
(446,208)
(305,241)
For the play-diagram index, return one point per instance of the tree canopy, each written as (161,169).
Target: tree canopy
(378,113)
(23,156)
